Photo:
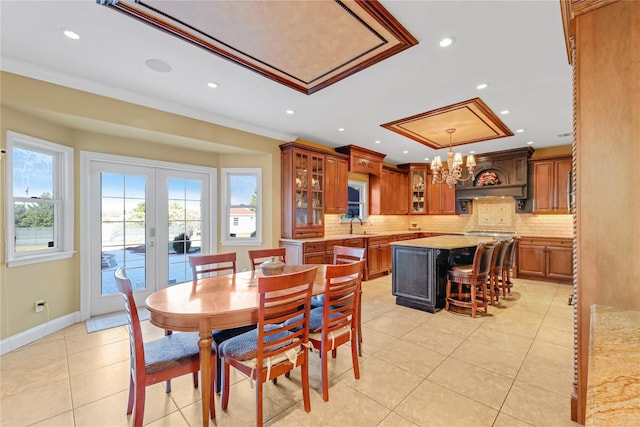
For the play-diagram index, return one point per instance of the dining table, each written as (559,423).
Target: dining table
(217,302)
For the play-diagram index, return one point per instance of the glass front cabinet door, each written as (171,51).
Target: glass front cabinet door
(302,192)
(417,197)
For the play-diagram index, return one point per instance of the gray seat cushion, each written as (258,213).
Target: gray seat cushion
(315,319)
(171,351)
(245,346)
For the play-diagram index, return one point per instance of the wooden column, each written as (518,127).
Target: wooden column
(607,156)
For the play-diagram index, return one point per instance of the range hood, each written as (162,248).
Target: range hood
(510,167)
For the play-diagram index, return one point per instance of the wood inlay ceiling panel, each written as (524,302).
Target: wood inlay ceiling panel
(472,119)
(306,45)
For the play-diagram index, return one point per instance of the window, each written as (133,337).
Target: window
(357,201)
(39,200)
(242,206)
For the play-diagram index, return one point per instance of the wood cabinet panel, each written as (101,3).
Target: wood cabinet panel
(336,183)
(388,194)
(378,256)
(442,198)
(545,259)
(551,184)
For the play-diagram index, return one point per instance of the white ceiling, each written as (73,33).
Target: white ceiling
(515,46)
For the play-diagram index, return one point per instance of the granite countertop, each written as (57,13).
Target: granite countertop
(444,242)
(613,385)
(352,236)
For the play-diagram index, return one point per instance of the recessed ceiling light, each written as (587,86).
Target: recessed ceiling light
(72,35)
(519,130)
(447,41)
(482,86)
(290,112)
(157,65)
(426,159)
(503,112)
(377,141)
(472,152)
(212,85)
(405,152)
(340,129)
(530,143)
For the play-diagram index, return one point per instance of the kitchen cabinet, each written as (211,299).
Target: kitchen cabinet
(388,194)
(378,256)
(441,198)
(548,259)
(336,183)
(320,252)
(417,183)
(551,185)
(302,191)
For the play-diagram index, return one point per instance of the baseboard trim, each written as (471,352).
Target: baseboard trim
(27,337)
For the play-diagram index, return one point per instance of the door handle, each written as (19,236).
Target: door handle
(569,192)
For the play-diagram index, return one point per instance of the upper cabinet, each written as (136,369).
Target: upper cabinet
(336,184)
(442,198)
(418,187)
(551,185)
(303,185)
(393,197)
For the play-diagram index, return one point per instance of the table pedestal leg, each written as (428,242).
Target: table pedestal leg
(205,369)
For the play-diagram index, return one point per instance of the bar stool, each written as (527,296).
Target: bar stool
(505,280)
(496,270)
(471,281)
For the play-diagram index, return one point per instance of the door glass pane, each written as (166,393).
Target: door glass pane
(123,229)
(184,228)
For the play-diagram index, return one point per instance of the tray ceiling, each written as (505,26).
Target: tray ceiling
(472,119)
(305,45)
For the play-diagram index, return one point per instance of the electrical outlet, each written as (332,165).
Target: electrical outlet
(40,305)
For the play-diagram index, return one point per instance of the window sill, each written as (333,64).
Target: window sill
(34,259)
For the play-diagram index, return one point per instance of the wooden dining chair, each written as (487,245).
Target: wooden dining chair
(217,263)
(258,256)
(344,255)
(471,281)
(347,254)
(224,263)
(279,344)
(336,322)
(155,361)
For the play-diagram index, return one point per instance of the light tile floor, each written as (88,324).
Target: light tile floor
(513,367)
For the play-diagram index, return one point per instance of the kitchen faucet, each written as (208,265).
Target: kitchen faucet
(351,223)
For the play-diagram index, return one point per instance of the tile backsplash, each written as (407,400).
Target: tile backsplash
(487,214)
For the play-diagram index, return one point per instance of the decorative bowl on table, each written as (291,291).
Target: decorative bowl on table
(272,267)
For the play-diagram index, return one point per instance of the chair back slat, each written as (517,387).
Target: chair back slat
(212,263)
(282,298)
(346,254)
(258,256)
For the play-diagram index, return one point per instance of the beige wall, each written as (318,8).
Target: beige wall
(89,122)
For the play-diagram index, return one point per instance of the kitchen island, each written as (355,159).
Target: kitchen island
(420,268)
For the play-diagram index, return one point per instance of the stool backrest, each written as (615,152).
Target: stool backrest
(484,259)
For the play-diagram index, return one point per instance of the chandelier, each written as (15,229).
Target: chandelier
(453,174)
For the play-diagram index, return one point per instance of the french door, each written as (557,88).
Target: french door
(147,219)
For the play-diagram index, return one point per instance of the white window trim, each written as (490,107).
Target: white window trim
(226,203)
(64,228)
(363,200)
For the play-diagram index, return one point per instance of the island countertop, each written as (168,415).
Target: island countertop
(613,387)
(444,242)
